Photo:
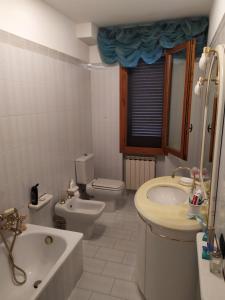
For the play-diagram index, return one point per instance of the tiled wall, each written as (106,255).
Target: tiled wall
(105,122)
(45,119)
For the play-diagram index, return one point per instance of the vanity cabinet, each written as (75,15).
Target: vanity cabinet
(166,266)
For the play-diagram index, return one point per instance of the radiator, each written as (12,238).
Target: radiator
(138,170)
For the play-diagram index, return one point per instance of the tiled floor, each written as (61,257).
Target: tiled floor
(110,258)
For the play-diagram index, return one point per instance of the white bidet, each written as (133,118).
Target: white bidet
(80,215)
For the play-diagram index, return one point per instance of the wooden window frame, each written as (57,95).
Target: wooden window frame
(164,150)
(186,115)
(212,129)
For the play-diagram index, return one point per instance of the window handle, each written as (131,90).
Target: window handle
(209,128)
(190,128)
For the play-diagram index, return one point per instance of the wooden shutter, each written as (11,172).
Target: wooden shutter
(141,108)
(145,105)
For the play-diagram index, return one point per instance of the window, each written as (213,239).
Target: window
(155,104)
(177,95)
(142,102)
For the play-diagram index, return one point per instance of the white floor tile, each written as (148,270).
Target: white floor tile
(110,254)
(131,225)
(96,283)
(124,245)
(89,250)
(80,294)
(130,259)
(97,296)
(118,233)
(116,270)
(126,290)
(109,258)
(102,241)
(93,265)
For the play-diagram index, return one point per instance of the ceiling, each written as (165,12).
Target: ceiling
(113,12)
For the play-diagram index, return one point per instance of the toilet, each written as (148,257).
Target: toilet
(80,215)
(109,191)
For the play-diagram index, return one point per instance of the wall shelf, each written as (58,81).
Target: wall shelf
(42,201)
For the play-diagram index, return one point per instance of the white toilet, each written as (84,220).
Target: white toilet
(109,191)
(80,214)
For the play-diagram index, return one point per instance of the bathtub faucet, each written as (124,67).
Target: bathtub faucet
(10,220)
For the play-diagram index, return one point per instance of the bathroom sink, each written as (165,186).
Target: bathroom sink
(167,195)
(164,202)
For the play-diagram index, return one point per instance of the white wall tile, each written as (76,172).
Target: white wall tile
(105,122)
(45,122)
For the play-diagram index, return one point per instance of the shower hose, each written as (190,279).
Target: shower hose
(13,266)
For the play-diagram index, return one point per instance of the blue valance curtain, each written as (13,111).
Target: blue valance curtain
(126,45)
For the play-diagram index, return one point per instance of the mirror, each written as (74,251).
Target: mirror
(214,94)
(177,94)
(210,126)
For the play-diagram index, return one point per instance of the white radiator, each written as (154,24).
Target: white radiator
(138,170)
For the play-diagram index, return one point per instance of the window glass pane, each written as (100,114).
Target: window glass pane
(176,101)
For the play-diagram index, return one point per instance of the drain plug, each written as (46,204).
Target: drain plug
(48,240)
(36,283)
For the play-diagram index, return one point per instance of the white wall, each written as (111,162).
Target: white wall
(216,15)
(105,122)
(94,55)
(45,120)
(36,21)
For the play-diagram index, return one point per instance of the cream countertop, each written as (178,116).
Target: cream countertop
(169,216)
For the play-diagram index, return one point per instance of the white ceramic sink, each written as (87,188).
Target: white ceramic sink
(167,195)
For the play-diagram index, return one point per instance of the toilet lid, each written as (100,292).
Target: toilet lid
(109,184)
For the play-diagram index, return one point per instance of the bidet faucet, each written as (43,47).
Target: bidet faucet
(63,201)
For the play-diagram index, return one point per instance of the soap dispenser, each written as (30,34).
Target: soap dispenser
(34,194)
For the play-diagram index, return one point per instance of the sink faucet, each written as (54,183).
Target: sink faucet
(189,170)
(179,169)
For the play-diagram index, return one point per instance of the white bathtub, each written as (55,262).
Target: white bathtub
(58,265)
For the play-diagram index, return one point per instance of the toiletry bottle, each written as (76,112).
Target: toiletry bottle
(34,194)
(216,263)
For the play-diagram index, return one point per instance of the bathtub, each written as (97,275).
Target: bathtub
(56,261)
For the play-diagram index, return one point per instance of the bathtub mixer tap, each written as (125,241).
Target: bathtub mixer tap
(10,220)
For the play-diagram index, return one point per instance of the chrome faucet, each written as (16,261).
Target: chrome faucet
(63,200)
(179,169)
(193,187)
